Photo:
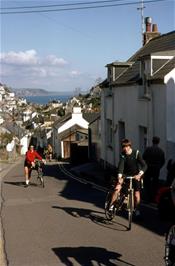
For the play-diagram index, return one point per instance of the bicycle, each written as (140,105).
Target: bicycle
(124,201)
(39,168)
(170,247)
(170,236)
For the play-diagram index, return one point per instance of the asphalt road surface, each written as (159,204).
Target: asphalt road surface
(64,224)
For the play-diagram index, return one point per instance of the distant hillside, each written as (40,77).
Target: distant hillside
(37,92)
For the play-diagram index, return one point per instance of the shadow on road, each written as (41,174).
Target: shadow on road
(88,256)
(95,216)
(15,183)
(74,190)
(20,184)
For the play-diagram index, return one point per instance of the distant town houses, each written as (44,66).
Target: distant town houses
(22,119)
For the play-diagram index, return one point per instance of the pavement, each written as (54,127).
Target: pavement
(93,172)
(5,167)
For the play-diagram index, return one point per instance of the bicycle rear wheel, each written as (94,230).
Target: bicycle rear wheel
(130,208)
(40,177)
(170,247)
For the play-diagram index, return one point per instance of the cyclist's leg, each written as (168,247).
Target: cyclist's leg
(115,194)
(26,172)
(137,196)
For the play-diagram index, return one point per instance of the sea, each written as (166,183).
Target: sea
(48,98)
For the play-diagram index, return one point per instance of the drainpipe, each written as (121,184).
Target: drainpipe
(104,129)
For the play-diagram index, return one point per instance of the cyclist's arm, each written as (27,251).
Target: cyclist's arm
(38,156)
(121,165)
(120,173)
(142,164)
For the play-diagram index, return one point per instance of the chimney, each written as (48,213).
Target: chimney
(150,34)
(154,28)
(148,21)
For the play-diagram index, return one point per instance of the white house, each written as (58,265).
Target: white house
(63,125)
(138,99)
(71,128)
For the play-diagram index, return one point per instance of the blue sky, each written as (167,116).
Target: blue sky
(62,51)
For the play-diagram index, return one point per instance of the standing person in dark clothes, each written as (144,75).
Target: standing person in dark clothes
(155,159)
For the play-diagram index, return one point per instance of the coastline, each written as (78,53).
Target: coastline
(44,99)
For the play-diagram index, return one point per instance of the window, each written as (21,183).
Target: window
(145,74)
(109,132)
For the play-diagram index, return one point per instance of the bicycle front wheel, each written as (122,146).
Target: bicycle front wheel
(170,247)
(40,177)
(130,208)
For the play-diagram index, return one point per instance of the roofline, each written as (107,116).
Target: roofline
(161,36)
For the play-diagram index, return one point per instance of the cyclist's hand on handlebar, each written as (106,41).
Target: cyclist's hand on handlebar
(119,184)
(118,187)
(137,177)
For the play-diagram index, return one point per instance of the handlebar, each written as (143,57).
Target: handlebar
(129,177)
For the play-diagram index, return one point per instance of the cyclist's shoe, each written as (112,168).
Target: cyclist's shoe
(26,184)
(137,215)
(111,208)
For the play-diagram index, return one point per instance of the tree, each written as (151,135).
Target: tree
(5,138)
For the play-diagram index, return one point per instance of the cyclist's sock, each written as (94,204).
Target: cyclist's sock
(27,182)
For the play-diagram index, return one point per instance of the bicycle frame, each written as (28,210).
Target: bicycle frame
(130,203)
(39,169)
(126,195)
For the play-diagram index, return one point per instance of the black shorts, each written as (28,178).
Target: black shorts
(27,164)
(136,184)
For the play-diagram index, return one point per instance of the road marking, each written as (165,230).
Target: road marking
(68,173)
(98,187)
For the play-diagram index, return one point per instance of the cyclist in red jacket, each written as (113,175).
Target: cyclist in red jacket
(29,163)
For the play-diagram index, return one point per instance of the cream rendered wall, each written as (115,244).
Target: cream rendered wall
(131,110)
(156,113)
(126,106)
(103,133)
(159,113)
(170,114)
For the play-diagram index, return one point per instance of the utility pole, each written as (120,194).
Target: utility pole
(142,19)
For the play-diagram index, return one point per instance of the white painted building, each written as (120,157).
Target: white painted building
(63,125)
(138,100)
